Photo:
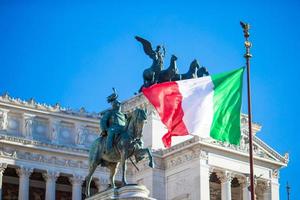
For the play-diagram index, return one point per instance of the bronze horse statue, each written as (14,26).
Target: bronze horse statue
(127,144)
(192,73)
(169,73)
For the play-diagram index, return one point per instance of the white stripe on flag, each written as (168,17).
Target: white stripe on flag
(197,104)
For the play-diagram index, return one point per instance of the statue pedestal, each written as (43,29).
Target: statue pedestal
(131,192)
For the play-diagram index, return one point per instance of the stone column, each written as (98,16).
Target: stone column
(3,119)
(24,174)
(76,181)
(2,168)
(225,178)
(27,125)
(50,178)
(275,185)
(245,183)
(204,176)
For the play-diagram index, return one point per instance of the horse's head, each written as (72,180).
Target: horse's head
(202,72)
(194,65)
(136,124)
(173,58)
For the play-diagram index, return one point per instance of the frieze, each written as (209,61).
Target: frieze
(24,141)
(175,160)
(36,157)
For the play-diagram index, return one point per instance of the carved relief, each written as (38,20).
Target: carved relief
(54,130)
(3,119)
(80,134)
(27,125)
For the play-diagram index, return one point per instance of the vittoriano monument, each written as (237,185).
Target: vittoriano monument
(121,136)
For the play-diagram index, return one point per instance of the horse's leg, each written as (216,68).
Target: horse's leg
(113,171)
(88,179)
(147,151)
(124,166)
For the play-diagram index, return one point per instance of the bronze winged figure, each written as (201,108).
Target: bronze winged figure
(151,75)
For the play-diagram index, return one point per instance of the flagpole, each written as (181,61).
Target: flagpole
(247,56)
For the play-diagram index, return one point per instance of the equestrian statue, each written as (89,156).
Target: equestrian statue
(120,139)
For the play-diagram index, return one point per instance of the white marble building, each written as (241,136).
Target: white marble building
(43,155)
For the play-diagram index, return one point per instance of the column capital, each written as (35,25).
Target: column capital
(50,175)
(263,185)
(224,176)
(3,166)
(275,174)
(24,171)
(244,181)
(76,179)
(203,155)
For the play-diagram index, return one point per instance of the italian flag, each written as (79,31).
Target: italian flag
(208,107)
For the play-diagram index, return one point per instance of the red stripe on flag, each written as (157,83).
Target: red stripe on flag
(167,99)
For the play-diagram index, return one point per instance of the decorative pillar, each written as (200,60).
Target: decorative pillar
(50,178)
(24,174)
(76,181)
(275,185)
(27,125)
(2,168)
(245,183)
(3,119)
(204,176)
(54,125)
(225,178)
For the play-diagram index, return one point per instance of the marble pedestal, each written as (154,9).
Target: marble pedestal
(132,192)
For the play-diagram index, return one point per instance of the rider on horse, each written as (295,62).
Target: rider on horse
(113,121)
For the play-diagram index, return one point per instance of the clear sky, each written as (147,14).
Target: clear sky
(74,53)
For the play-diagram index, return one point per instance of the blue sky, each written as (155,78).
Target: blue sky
(73,53)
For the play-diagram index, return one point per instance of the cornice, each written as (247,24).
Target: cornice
(203,143)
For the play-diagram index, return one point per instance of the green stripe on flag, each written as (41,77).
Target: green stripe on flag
(227,106)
